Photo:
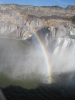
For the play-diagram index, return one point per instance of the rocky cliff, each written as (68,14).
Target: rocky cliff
(20,21)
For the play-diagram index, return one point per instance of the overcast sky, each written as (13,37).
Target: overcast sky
(62,3)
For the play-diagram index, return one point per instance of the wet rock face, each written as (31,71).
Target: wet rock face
(73,19)
(44,35)
(49,34)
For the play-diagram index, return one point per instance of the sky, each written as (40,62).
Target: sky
(62,3)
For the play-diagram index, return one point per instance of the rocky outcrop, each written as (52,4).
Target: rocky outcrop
(20,21)
(43,92)
(51,33)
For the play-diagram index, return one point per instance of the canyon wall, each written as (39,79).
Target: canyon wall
(20,21)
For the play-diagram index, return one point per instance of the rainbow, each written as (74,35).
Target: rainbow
(41,43)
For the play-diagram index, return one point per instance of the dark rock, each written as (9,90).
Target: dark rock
(43,92)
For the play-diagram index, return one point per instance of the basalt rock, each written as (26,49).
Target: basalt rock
(20,21)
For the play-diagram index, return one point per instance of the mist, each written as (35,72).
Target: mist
(62,61)
(24,60)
